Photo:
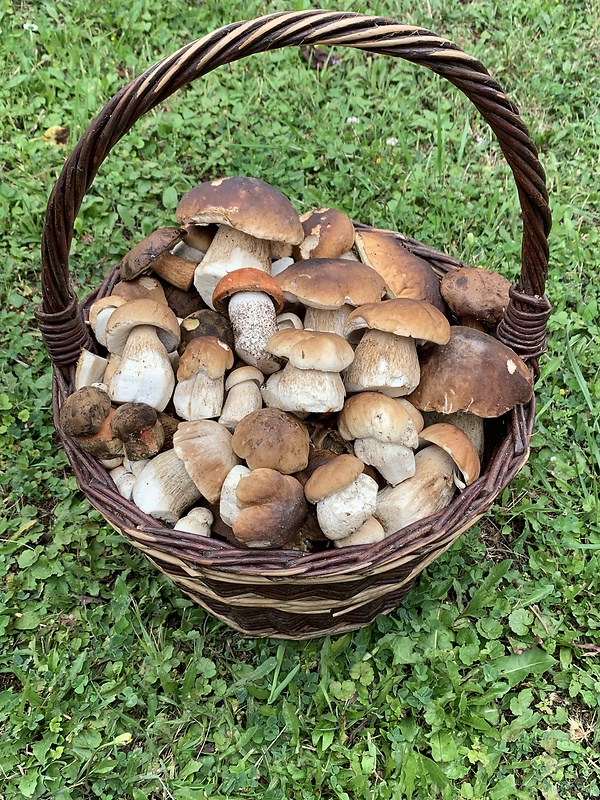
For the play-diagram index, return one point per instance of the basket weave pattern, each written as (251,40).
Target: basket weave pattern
(286,593)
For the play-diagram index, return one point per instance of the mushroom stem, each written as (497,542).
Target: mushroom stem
(384,362)
(253,320)
(229,250)
(144,374)
(242,399)
(322,319)
(199,397)
(394,462)
(305,391)
(164,489)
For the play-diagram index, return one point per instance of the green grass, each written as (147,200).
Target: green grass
(485,683)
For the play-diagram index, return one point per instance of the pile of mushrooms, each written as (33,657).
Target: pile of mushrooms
(282,381)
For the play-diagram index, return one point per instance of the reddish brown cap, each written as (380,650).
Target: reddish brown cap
(141,257)
(403,317)
(247,279)
(273,439)
(246,204)
(473,372)
(327,234)
(458,445)
(479,293)
(329,283)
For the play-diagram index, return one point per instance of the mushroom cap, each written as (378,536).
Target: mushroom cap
(84,412)
(243,374)
(272,508)
(318,350)
(132,418)
(205,322)
(479,293)
(458,445)
(139,259)
(205,354)
(333,476)
(142,286)
(330,283)
(405,274)
(273,439)
(141,312)
(205,447)
(110,301)
(327,234)
(473,372)
(401,316)
(246,279)
(246,204)
(372,415)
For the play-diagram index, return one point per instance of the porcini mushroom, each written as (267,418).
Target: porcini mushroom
(153,254)
(328,233)
(243,395)
(197,521)
(85,416)
(478,297)
(458,445)
(164,489)
(206,449)
(272,439)
(137,426)
(200,378)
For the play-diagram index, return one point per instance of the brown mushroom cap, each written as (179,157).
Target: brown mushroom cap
(327,234)
(473,372)
(205,354)
(111,301)
(372,415)
(333,476)
(84,412)
(141,312)
(272,508)
(143,286)
(318,350)
(132,418)
(458,445)
(273,439)
(141,257)
(205,322)
(205,447)
(246,204)
(479,293)
(330,283)
(246,279)
(401,316)
(406,275)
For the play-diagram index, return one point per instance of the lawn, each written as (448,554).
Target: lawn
(485,682)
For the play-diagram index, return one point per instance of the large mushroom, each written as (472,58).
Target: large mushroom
(386,357)
(164,489)
(206,449)
(250,215)
(478,297)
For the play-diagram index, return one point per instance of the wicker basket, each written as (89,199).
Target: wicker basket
(281,593)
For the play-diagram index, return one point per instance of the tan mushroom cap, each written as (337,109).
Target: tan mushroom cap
(143,286)
(141,312)
(406,274)
(479,293)
(141,257)
(272,508)
(205,354)
(327,234)
(272,439)
(205,447)
(371,415)
(243,374)
(333,476)
(473,372)
(246,204)
(246,279)
(458,445)
(330,283)
(401,316)
(111,301)
(318,350)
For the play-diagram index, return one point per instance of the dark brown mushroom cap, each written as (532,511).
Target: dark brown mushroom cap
(406,274)
(132,418)
(246,204)
(327,234)
(84,412)
(330,283)
(479,293)
(246,279)
(272,508)
(181,302)
(205,322)
(401,316)
(139,259)
(273,439)
(473,372)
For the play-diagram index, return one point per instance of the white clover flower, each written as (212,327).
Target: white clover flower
(392,141)
(351,120)
(30,26)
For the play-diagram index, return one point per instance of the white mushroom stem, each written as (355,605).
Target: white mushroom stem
(280,264)
(124,481)
(199,397)
(341,513)
(253,321)
(323,319)
(198,521)
(386,363)
(90,369)
(144,374)
(242,399)
(305,391)
(229,250)
(394,462)
(287,320)
(369,532)
(164,489)
(183,250)
(429,491)
(229,510)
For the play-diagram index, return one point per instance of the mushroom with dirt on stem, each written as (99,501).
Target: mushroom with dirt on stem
(138,427)
(85,416)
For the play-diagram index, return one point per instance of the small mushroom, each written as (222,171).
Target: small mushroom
(458,445)
(137,426)
(478,297)
(164,489)
(85,416)
(200,389)
(205,322)
(198,521)
(243,395)
(328,233)
(344,496)
(100,312)
(369,532)
(205,447)
(124,481)
(271,438)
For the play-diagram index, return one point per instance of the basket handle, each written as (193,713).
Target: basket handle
(524,325)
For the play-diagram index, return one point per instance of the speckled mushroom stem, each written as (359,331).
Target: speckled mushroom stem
(253,320)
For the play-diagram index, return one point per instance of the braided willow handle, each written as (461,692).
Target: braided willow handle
(235,41)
